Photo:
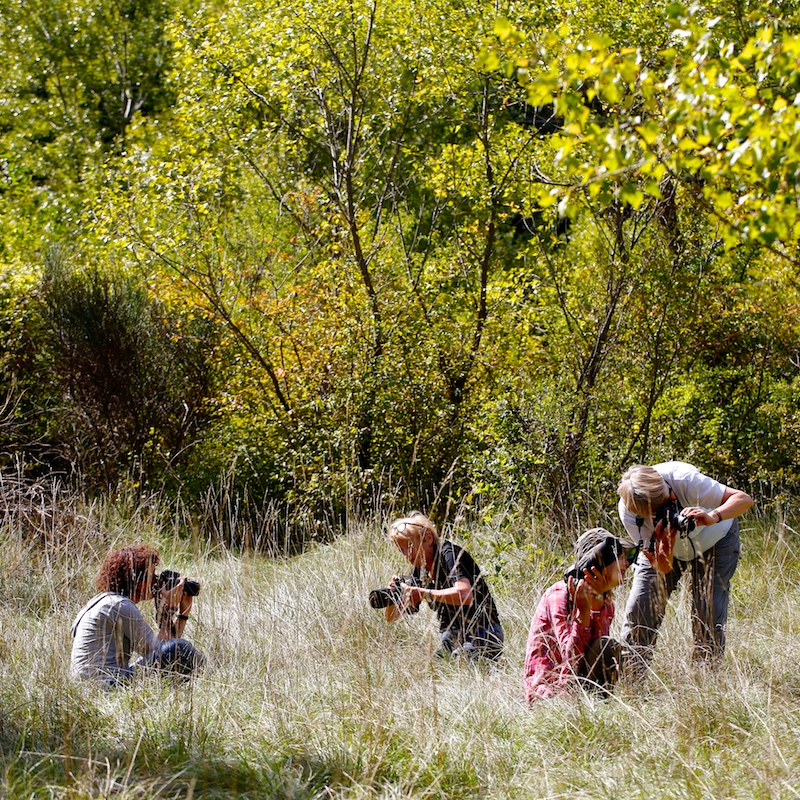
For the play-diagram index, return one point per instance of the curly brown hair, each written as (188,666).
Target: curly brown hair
(123,569)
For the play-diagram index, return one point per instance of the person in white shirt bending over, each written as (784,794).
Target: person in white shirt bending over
(687,522)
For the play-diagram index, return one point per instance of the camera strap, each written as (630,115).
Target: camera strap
(87,610)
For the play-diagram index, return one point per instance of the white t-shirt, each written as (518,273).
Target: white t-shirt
(691,488)
(105,632)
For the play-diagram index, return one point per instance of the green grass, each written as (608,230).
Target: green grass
(309,693)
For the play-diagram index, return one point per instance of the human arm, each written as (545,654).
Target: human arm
(571,615)
(173,611)
(454,575)
(132,632)
(734,503)
(459,594)
(661,556)
(394,611)
(581,595)
(557,642)
(182,617)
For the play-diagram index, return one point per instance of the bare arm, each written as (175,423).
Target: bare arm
(661,558)
(394,612)
(459,594)
(174,608)
(734,503)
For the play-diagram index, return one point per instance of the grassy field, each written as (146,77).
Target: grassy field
(309,693)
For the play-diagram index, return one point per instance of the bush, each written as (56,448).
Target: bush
(118,383)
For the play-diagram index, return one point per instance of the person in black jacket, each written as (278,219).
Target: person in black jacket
(447,578)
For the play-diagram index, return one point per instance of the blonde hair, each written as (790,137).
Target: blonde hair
(642,489)
(412,527)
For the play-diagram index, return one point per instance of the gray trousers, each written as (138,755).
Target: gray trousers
(711,579)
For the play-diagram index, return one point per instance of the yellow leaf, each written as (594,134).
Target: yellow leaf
(648,131)
(502,29)
(724,199)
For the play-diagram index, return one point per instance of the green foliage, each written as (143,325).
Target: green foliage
(84,67)
(78,79)
(681,148)
(128,379)
(714,113)
(435,254)
(359,308)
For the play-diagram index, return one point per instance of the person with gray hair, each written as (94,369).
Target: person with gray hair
(688,522)
(568,642)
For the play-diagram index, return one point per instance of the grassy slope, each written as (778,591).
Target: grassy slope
(309,693)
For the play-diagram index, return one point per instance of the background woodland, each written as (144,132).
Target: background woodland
(318,259)
(273,272)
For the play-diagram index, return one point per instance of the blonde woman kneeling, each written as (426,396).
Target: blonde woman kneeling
(447,578)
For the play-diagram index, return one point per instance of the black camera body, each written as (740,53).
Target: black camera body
(393,596)
(600,556)
(671,513)
(168,579)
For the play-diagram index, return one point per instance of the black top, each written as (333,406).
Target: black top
(450,564)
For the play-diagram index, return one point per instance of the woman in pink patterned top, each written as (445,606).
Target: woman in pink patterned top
(568,639)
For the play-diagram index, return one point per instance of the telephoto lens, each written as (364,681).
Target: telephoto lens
(380,598)
(393,596)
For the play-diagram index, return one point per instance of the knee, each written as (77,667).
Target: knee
(603,661)
(180,656)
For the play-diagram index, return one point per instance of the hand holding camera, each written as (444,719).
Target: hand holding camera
(585,599)
(173,594)
(700,516)
(395,594)
(674,517)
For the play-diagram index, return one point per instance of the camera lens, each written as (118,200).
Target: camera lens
(380,598)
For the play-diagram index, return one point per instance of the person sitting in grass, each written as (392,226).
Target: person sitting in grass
(446,577)
(569,642)
(110,626)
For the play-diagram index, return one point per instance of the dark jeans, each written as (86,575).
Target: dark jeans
(603,661)
(175,656)
(485,643)
(711,579)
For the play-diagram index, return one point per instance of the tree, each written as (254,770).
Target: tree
(689,150)
(341,214)
(76,79)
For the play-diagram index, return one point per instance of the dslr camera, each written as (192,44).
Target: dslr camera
(168,580)
(393,595)
(599,556)
(672,515)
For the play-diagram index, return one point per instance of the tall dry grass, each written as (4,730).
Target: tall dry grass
(309,693)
